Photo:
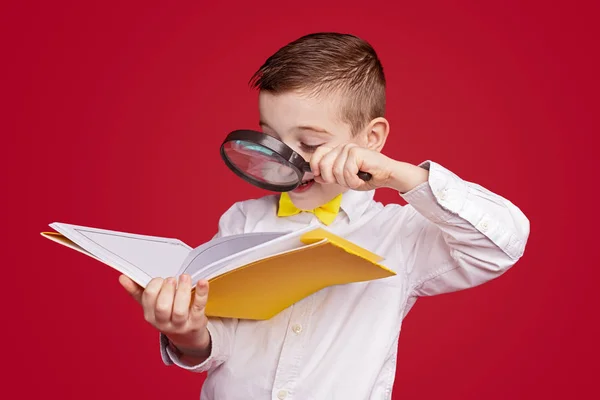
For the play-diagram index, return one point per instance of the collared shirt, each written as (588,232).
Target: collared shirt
(341,342)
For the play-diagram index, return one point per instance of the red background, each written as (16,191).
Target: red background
(112,116)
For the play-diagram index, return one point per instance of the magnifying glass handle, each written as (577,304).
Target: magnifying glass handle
(365,176)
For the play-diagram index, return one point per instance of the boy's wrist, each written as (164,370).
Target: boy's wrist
(404,177)
(200,349)
(195,352)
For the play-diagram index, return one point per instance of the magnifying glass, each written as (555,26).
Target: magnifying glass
(266,162)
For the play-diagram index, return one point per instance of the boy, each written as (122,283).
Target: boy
(324,96)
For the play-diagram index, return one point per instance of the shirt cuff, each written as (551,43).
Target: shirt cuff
(170,357)
(442,197)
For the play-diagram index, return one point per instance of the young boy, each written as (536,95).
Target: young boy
(324,96)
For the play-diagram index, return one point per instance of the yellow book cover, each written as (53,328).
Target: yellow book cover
(252,276)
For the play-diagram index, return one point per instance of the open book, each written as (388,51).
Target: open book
(251,276)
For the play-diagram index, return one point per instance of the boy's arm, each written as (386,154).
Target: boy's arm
(461,235)
(221,330)
(458,234)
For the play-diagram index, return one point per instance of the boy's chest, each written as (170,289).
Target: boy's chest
(320,321)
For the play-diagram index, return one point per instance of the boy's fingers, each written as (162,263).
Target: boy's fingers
(164,301)
(326,166)
(132,288)
(339,168)
(352,168)
(199,302)
(149,298)
(315,159)
(182,300)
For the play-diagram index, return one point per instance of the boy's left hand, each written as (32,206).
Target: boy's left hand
(340,165)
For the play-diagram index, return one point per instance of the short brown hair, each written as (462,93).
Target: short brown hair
(329,63)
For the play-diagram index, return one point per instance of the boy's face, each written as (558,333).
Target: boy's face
(305,123)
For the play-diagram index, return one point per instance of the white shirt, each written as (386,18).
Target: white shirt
(341,342)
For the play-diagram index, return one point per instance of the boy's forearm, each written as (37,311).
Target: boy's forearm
(470,235)
(404,177)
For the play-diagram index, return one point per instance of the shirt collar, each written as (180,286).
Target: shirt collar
(354,203)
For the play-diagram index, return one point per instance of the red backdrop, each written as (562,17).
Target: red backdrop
(112,117)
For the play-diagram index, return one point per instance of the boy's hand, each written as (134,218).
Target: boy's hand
(341,165)
(169,307)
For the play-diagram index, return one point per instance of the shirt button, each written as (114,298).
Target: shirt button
(483,226)
(282,394)
(297,328)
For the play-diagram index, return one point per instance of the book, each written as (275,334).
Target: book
(251,276)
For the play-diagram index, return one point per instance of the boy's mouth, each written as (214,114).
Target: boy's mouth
(304,186)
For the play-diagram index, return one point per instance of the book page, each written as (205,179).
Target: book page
(280,244)
(220,248)
(144,257)
(137,275)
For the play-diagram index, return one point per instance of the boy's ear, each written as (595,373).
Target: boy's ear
(376,133)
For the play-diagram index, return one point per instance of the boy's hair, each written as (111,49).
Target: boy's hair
(329,63)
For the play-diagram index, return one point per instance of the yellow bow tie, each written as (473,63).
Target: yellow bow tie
(325,213)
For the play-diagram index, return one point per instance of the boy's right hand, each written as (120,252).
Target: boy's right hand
(169,307)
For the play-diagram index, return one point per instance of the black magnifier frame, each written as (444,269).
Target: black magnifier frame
(288,157)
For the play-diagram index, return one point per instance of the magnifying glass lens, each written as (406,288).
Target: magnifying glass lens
(265,161)
(259,162)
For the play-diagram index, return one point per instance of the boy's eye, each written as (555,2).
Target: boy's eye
(309,148)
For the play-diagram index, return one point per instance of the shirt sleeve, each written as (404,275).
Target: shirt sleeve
(462,235)
(221,330)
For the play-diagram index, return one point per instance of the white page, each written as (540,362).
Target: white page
(141,257)
(277,249)
(279,245)
(220,248)
(63,240)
